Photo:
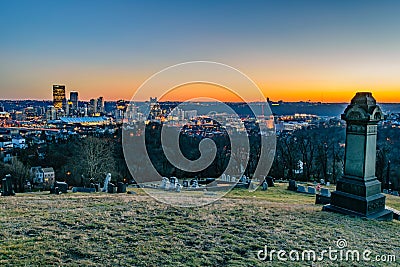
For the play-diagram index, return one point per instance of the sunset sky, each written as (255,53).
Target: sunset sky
(294,50)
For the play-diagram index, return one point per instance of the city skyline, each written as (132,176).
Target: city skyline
(313,50)
(174,96)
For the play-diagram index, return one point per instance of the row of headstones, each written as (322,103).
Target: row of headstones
(394,193)
(310,189)
(243,179)
(322,182)
(111,188)
(120,187)
(228,178)
(171,184)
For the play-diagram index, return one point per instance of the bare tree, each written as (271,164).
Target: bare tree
(19,173)
(307,146)
(96,157)
(382,161)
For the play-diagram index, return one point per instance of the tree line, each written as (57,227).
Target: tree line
(77,161)
(311,154)
(307,154)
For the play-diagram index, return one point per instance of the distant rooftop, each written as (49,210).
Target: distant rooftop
(84,120)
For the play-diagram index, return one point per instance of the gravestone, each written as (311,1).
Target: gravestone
(194,183)
(173,182)
(164,182)
(178,188)
(121,187)
(106,181)
(252,185)
(111,188)
(62,186)
(223,177)
(324,197)
(270,181)
(395,193)
(185,183)
(358,191)
(167,184)
(325,192)
(228,178)
(292,185)
(264,186)
(301,189)
(311,190)
(328,183)
(6,186)
(385,191)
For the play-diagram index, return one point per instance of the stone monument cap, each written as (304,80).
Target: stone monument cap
(363,99)
(363,107)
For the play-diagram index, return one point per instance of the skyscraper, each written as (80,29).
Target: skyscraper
(100,104)
(92,106)
(58,96)
(73,97)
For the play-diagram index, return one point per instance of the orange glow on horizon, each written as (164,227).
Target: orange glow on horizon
(289,91)
(292,85)
(201,90)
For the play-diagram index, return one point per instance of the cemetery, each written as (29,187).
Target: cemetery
(85,225)
(84,229)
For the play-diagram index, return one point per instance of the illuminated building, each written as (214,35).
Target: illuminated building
(59,96)
(73,97)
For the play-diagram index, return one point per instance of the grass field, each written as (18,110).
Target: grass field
(134,230)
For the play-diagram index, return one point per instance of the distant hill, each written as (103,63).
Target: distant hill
(278,108)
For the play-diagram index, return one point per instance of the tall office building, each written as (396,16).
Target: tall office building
(73,97)
(92,108)
(51,113)
(59,96)
(100,104)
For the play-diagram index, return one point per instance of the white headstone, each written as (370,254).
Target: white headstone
(167,185)
(178,188)
(164,182)
(325,192)
(106,181)
(223,177)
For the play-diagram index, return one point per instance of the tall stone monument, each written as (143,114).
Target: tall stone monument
(358,191)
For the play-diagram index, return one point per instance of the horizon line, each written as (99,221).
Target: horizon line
(255,101)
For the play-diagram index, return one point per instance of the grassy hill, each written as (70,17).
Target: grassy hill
(135,230)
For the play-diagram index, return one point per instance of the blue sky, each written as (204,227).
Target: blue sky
(109,47)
